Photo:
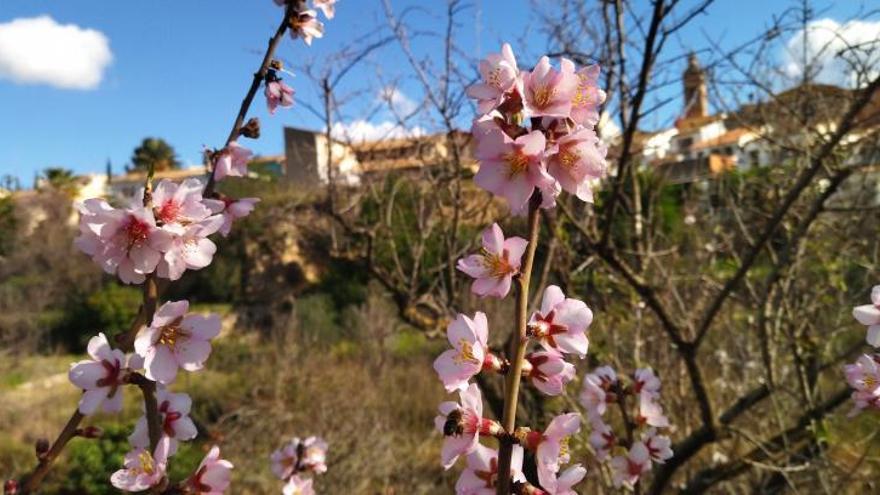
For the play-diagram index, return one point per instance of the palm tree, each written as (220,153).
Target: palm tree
(60,179)
(155,152)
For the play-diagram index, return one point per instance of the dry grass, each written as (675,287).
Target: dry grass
(377,414)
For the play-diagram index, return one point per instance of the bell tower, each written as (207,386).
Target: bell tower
(696,99)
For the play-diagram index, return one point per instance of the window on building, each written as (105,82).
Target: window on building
(754,158)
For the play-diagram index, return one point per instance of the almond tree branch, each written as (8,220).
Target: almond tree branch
(804,180)
(518,350)
(31,482)
(259,76)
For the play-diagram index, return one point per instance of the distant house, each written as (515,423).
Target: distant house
(702,145)
(307,156)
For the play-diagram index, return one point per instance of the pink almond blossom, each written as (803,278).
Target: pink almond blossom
(141,469)
(626,470)
(469,351)
(461,424)
(548,92)
(213,475)
(597,391)
(869,315)
(100,377)
(588,97)
(499,260)
(314,455)
(174,417)
(512,168)
(190,248)
(179,203)
(231,161)
(300,455)
(123,242)
(564,484)
(481,473)
(602,439)
(864,378)
(500,74)
(552,450)
(658,445)
(328,7)
(561,323)
(231,209)
(175,340)
(646,382)
(297,485)
(650,412)
(278,94)
(578,160)
(549,371)
(285,460)
(306,26)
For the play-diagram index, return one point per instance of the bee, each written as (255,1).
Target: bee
(453,424)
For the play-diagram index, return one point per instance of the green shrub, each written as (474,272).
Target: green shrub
(111,309)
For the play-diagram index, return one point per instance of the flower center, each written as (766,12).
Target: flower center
(517,162)
(495,77)
(136,231)
(870,381)
(146,462)
(498,266)
(466,353)
(569,157)
(490,476)
(168,212)
(172,333)
(583,96)
(543,95)
(564,449)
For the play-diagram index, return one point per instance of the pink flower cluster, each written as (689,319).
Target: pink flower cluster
(631,454)
(559,151)
(166,239)
(863,376)
(295,459)
(174,339)
(559,327)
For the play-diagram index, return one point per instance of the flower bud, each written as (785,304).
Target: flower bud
(10,487)
(41,447)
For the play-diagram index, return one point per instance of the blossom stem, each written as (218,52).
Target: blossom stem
(518,348)
(259,76)
(31,482)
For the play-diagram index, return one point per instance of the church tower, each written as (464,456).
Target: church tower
(696,99)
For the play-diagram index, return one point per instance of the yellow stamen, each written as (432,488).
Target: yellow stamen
(171,333)
(543,95)
(146,460)
(569,157)
(466,354)
(497,266)
(517,162)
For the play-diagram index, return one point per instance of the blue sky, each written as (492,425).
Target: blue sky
(179,70)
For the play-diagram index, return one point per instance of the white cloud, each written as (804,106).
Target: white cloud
(358,131)
(38,50)
(831,49)
(400,104)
